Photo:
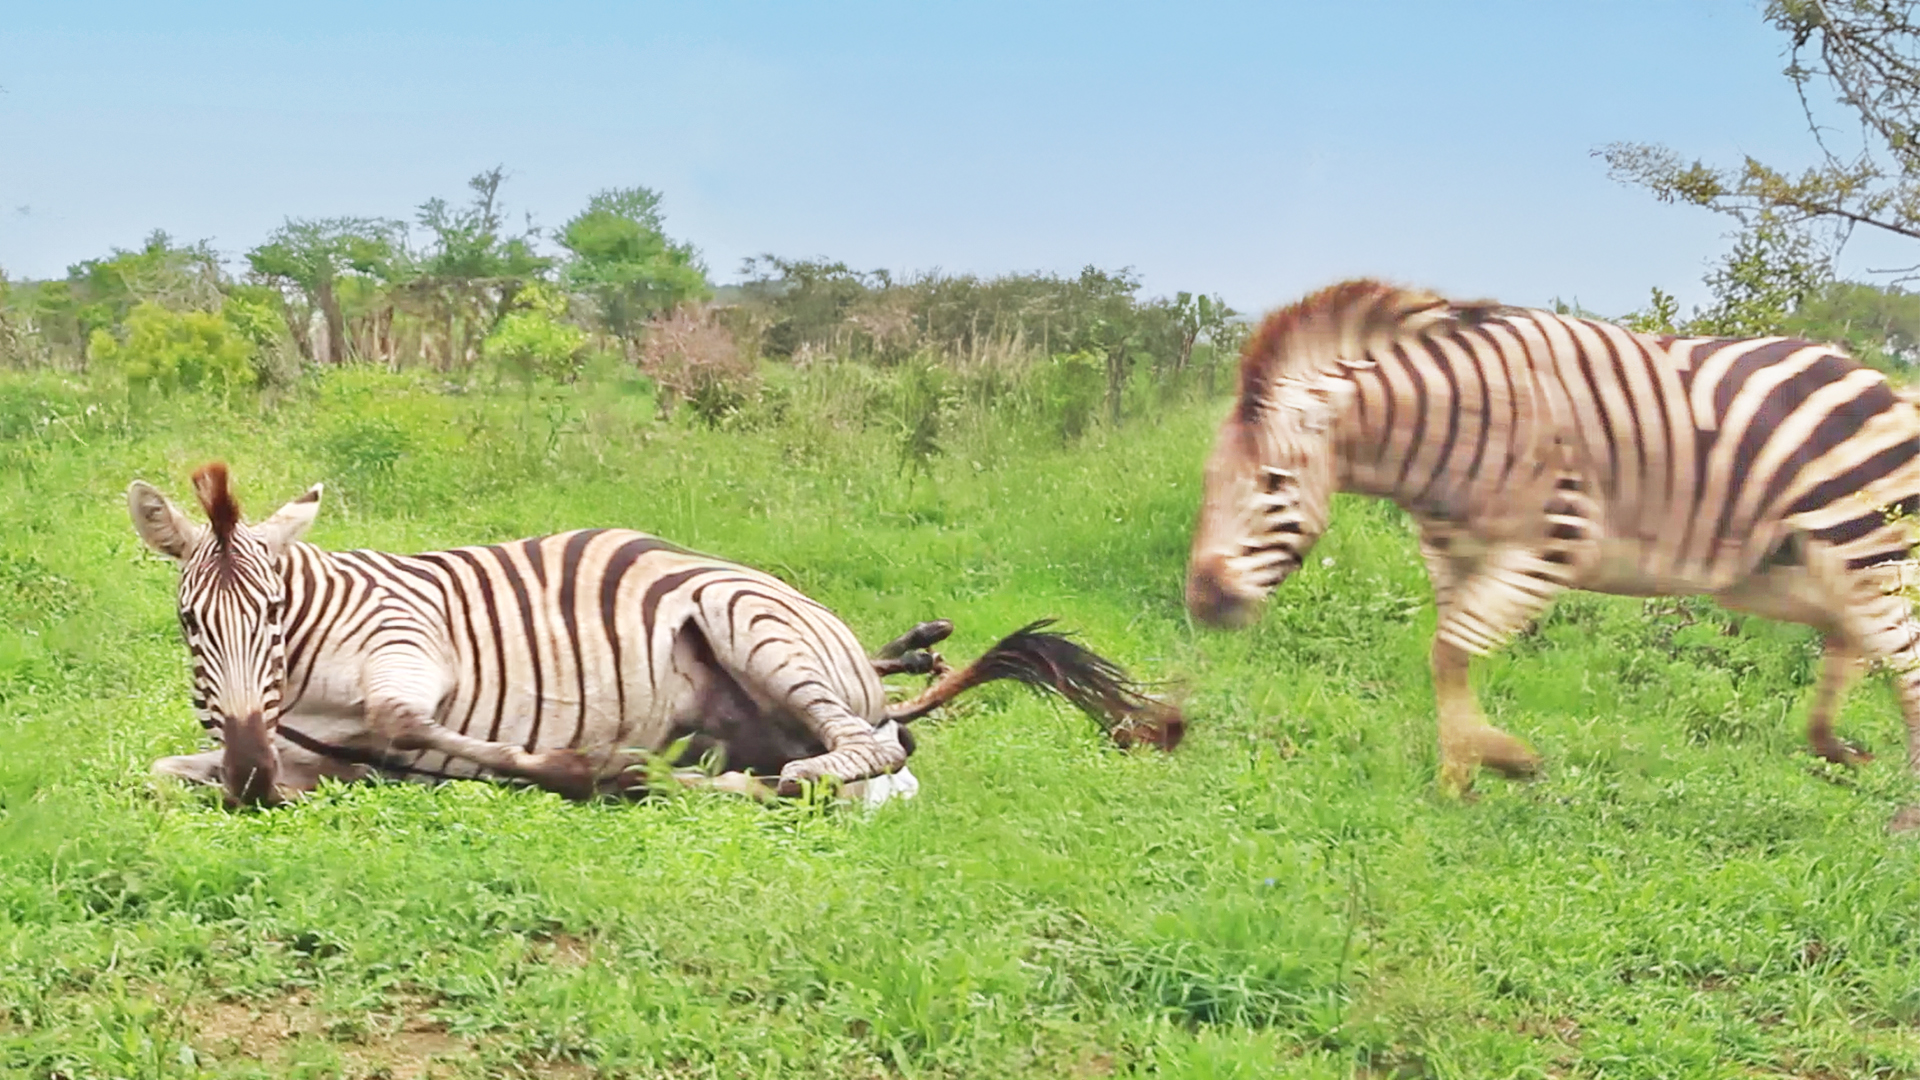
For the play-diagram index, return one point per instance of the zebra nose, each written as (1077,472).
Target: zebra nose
(1211,602)
(250,762)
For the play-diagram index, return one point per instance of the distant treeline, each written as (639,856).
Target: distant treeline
(460,288)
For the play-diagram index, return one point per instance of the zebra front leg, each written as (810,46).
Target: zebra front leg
(193,768)
(300,770)
(403,691)
(1467,740)
(1482,607)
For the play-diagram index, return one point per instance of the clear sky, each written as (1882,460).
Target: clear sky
(1254,150)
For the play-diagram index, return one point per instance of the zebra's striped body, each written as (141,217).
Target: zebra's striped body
(559,661)
(581,640)
(1539,452)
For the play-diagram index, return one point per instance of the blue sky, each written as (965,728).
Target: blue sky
(1254,150)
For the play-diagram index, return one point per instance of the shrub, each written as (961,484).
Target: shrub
(178,350)
(690,357)
(1072,390)
(534,342)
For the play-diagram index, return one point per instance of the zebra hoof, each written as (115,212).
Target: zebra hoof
(793,787)
(567,773)
(1842,752)
(920,637)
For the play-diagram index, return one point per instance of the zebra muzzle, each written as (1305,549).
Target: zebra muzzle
(250,764)
(1213,603)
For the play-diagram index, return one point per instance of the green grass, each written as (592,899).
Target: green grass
(1686,893)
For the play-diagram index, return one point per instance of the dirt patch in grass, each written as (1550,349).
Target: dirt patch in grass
(404,1048)
(567,951)
(403,1044)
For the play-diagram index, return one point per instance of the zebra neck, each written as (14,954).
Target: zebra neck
(322,594)
(1362,446)
(1394,439)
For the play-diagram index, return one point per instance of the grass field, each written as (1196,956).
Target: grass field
(1686,893)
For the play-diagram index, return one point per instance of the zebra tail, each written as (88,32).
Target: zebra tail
(1055,663)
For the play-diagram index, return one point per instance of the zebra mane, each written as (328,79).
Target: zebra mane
(1333,331)
(216,498)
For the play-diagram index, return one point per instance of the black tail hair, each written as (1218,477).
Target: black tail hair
(1058,664)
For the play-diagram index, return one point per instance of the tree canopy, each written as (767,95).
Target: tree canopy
(1861,55)
(624,261)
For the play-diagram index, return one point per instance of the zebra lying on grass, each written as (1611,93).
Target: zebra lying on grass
(1540,452)
(561,661)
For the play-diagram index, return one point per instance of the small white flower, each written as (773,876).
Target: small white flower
(1328,561)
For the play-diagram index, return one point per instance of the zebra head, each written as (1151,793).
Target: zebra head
(1269,484)
(232,613)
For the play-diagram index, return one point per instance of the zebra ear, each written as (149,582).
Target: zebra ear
(160,523)
(290,522)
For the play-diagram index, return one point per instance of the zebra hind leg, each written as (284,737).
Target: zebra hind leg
(1815,589)
(1839,665)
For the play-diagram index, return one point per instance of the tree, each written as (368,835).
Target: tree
(1880,326)
(1763,282)
(100,294)
(311,256)
(622,258)
(473,269)
(1866,54)
(809,300)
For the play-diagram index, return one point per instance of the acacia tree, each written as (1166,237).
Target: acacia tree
(1866,55)
(474,268)
(623,260)
(309,257)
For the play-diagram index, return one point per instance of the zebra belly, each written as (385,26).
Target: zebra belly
(1628,566)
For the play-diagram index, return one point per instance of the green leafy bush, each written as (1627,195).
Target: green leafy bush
(534,342)
(178,350)
(1071,389)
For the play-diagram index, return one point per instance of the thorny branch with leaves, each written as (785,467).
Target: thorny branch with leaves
(1867,55)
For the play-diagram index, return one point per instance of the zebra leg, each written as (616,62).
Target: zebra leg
(797,682)
(1887,631)
(403,691)
(193,768)
(1819,591)
(1481,606)
(917,662)
(300,769)
(1838,666)
(854,750)
(1859,613)
(921,637)
(1467,740)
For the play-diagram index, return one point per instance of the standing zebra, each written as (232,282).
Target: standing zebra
(558,661)
(1539,452)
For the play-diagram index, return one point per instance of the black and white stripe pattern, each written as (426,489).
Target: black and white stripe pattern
(1540,452)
